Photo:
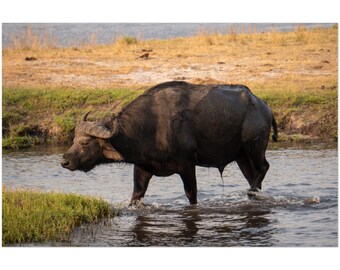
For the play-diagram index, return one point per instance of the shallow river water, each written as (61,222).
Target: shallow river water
(297,207)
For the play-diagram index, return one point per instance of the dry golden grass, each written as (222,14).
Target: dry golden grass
(293,57)
(29,40)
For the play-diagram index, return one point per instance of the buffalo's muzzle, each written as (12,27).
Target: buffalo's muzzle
(65,163)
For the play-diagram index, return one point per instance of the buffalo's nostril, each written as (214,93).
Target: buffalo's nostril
(65,163)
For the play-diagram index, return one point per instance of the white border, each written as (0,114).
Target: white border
(169,11)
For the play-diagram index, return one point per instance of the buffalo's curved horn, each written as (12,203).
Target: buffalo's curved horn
(99,130)
(96,130)
(85,116)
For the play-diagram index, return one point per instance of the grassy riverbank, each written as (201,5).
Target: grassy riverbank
(46,89)
(36,216)
(40,116)
(49,116)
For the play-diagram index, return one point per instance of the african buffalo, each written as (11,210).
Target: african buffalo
(175,126)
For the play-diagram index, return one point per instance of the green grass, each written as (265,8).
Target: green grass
(52,114)
(36,216)
(17,142)
(297,99)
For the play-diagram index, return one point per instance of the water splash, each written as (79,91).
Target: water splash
(312,200)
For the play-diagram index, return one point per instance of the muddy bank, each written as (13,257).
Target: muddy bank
(308,127)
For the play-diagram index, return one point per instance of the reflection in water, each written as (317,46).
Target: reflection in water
(190,217)
(167,228)
(196,226)
(257,230)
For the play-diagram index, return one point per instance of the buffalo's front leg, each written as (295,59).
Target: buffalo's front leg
(141,180)
(188,176)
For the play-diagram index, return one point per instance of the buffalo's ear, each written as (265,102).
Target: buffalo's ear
(110,152)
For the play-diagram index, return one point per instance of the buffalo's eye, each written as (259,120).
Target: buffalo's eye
(84,143)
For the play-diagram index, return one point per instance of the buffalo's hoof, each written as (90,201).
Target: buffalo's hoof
(252,192)
(136,203)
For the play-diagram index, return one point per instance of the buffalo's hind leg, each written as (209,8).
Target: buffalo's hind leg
(254,168)
(246,168)
(264,167)
(141,180)
(188,176)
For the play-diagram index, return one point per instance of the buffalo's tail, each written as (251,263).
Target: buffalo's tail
(275,134)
